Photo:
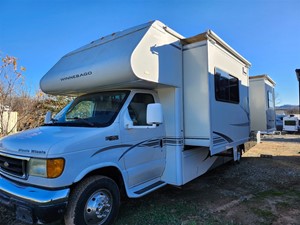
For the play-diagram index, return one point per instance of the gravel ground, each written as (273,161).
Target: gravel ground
(264,188)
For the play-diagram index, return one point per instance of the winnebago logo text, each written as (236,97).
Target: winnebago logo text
(77,76)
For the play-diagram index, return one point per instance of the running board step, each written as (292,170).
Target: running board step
(152,186)
(145,188)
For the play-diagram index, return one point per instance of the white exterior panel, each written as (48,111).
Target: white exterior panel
(136,57)
(196,94)
(208,122)
(171,100)
(230,121)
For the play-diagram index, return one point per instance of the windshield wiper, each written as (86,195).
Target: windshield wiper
(82,120)
(54,120)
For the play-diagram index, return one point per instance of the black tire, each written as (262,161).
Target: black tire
(94,201)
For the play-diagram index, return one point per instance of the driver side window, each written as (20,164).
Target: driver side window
(138,108)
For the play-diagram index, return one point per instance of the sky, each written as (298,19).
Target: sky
(265,32)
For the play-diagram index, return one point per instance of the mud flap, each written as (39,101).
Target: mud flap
(236,154)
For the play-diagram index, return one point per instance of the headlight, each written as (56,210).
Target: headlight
(49,168)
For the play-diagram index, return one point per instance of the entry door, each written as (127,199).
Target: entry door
(145,157)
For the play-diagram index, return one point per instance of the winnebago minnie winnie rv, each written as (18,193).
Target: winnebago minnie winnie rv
(153,108)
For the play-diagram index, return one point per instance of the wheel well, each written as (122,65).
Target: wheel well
(113,173)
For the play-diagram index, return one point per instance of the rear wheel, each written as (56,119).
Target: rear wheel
(95,201)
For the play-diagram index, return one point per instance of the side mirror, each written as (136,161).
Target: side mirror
(48,117)
(154,114)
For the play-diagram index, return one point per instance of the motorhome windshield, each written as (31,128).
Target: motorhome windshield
(93,110)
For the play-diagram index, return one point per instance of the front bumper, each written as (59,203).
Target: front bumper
(31,204)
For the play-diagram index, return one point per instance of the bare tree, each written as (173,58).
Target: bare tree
(45,103)
(14,96)
(293,110)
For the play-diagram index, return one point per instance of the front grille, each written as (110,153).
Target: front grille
(13,166)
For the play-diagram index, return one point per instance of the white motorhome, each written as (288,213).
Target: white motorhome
(153,108)
(262,103)
(291,123)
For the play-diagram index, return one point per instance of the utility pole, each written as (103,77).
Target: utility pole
(298,78)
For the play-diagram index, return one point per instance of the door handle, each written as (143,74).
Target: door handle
(112,138)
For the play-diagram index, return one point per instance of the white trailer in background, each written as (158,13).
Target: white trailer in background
(153,108)
(262,104)
(291,123)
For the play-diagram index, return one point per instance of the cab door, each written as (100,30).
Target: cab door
(144,158)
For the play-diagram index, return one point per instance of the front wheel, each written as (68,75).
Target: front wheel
(95,201)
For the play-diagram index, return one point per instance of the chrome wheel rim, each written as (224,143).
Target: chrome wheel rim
(98,207)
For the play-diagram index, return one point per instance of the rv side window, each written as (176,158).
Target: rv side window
(226,87)
(138,108)
(270,100)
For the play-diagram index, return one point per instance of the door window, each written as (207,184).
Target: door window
(270,100)
(138,108)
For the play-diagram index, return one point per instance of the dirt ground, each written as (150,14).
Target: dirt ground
(264,188)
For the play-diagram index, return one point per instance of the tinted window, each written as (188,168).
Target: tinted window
(226,87)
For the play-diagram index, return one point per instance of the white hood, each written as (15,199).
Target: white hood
(38,142)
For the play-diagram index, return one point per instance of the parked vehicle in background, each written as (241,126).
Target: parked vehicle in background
(291,123)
